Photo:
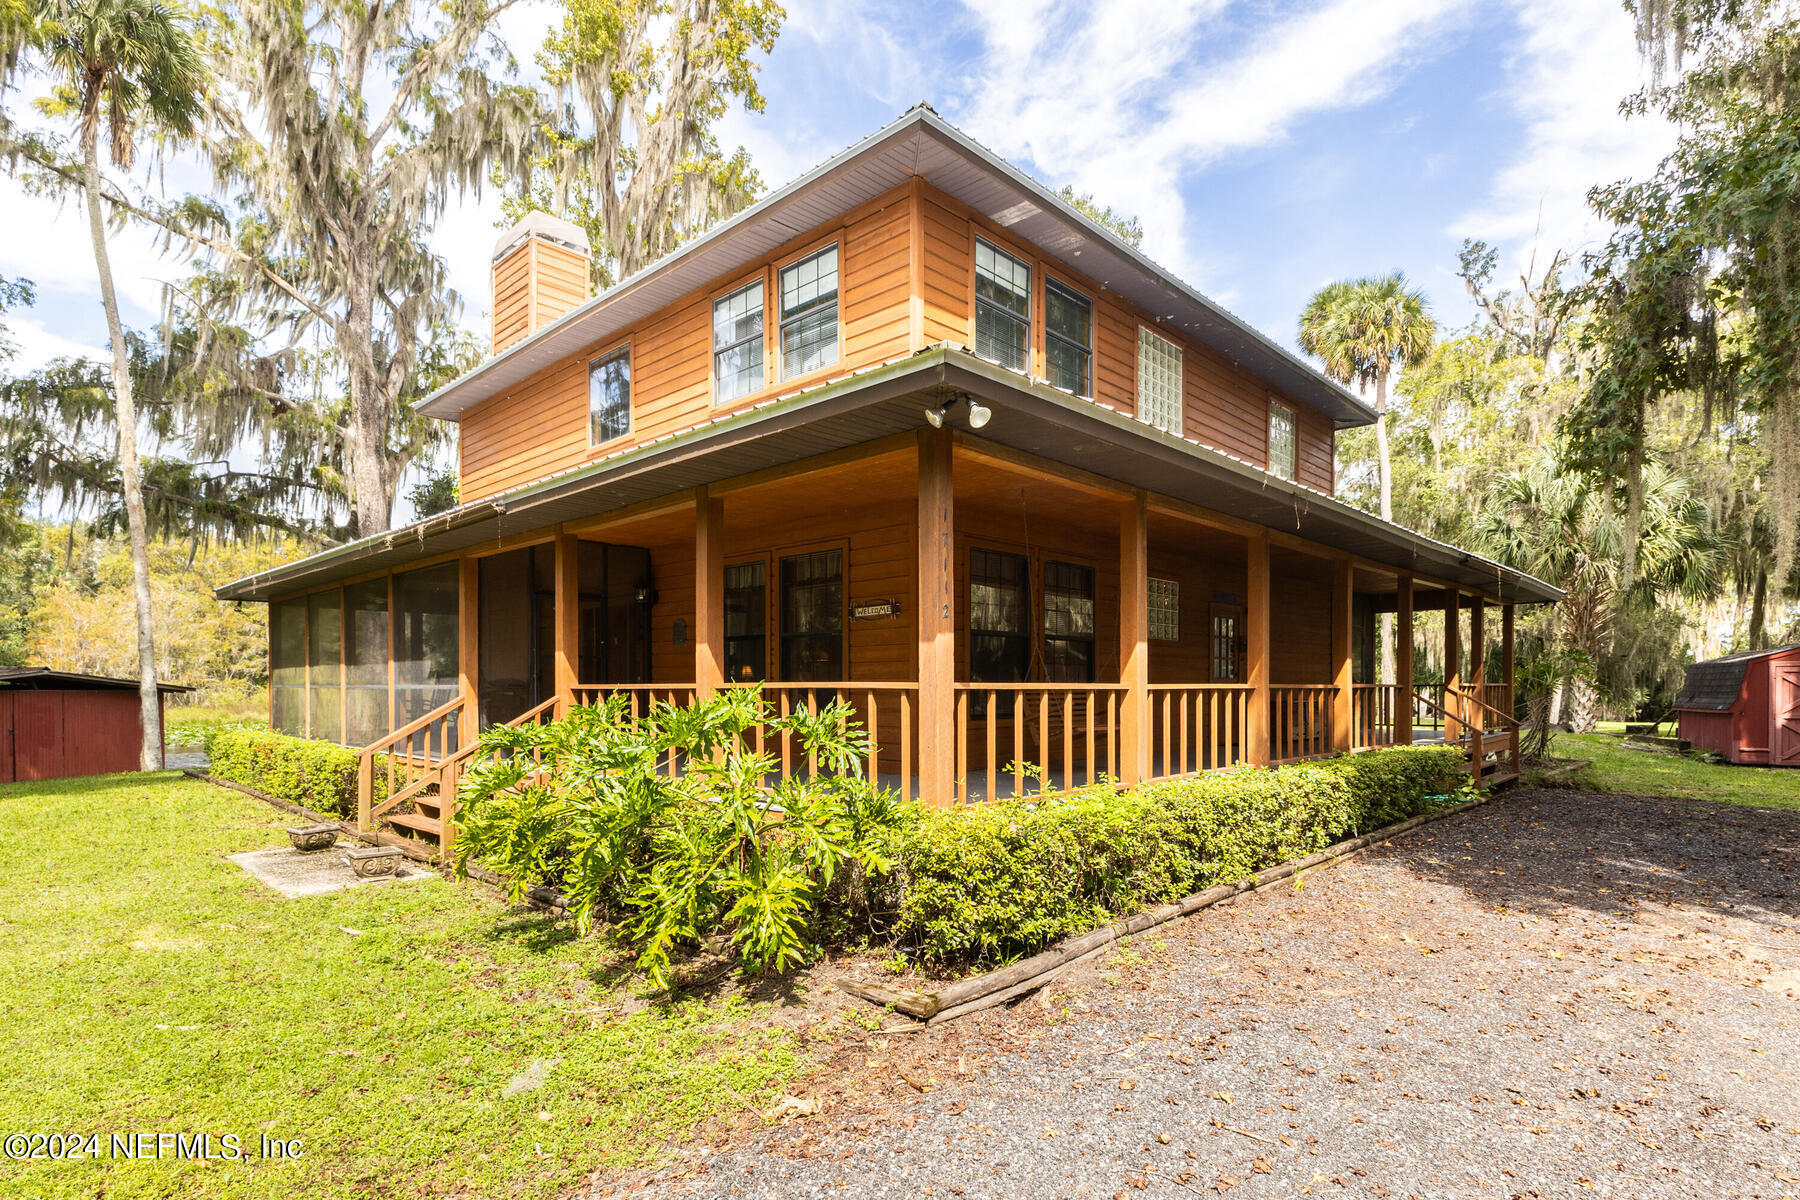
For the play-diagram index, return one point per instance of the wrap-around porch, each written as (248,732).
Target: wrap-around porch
(1000,625)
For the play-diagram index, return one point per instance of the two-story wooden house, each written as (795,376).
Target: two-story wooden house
(913,432)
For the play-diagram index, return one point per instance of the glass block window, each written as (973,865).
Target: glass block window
(812,616)
(746,621)
(738,343)
(1284,447)
(1002,306)
(609,397)
(1159,382)
(1068,339)
(1165,610)
(809,313)
(1068,622)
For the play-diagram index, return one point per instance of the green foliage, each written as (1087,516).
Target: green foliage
(685,856)
(314,774)
(975,885)
(1128,229)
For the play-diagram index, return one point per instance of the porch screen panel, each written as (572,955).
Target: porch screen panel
(1068,622)
(812,616)
(325,664)
(287,666)
(509,636)
(1002,306)
(746,621)
(425,645)
(365,661)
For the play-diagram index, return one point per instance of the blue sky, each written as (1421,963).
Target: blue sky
(1267,147)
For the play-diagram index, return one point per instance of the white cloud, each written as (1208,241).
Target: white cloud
(1126,102)
(1576,61)
(48,243)
(38,346)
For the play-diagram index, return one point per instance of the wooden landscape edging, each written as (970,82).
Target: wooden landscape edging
(996,987)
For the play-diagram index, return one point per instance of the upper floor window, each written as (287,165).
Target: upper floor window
(609,397)
(738,343)
(1159,382)
(1068,339)
(1002,306)
(809,313)
(1283,445)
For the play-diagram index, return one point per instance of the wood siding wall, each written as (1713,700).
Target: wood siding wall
(541,428)
(536,282)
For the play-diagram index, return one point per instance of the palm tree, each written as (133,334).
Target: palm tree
(128,68)
(1362,329)
(1559,526)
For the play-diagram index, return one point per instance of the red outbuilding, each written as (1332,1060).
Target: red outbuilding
(54,724)
(1745,707)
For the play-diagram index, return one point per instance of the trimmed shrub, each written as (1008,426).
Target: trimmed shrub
(316,774)
(991,882)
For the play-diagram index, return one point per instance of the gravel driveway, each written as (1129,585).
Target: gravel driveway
(1556,994)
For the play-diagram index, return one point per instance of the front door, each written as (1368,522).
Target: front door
(1225,650)
(1784,714)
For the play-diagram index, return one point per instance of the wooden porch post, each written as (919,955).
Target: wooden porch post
(568,616)
(709,593)
(1403,660)
(468,648)
(937,619)
(1256,649)
(1507,657)
(1452,661)
(1343,676)
(1477,668)
(1134,641)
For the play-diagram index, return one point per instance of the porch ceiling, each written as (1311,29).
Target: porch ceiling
(890,400)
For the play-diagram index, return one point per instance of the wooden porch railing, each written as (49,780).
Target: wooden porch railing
(1373,711)
(410,756)
(887,711)
(1300,721)
(1493,753)
(1068,732)
(1197,727)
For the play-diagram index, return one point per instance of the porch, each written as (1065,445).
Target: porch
(1000,624)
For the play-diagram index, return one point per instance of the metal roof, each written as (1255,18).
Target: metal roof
(919,144)
(38,677)
(1028,415)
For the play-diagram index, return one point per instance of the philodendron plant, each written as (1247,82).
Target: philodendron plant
(676,824)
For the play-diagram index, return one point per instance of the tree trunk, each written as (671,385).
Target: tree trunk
(1759,612)
(1381,448)
(372,481)
(1584,704)
(130,480)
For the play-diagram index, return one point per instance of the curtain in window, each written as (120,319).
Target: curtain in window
(746,622)
(1068,623)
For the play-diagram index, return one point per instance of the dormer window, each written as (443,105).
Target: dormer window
(1283,445)
(609,397)
(1002,306)
(809,313)
(738,344)
(1068,339)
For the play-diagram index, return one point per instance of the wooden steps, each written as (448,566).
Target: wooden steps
(418,821)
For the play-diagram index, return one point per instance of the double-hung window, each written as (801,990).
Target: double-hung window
(609,397)
(746,621)
(1068,339)
(1283,445)
(1002,306)
(1068,623)
(1159,382)
(738,343)
(809,313)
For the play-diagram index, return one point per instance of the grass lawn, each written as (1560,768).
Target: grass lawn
(1639,772)
(149,986)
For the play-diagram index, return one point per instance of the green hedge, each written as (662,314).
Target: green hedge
(316,774)
(998,880)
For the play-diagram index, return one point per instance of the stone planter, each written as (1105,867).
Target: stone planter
(374,862)
(313,837)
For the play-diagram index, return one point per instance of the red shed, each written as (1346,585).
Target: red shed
(1745,707)
(54,724)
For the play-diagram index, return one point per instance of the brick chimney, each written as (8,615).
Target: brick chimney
(540,273)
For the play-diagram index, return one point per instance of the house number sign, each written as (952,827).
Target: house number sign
(875,610)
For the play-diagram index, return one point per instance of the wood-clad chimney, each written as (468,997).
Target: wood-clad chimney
(540,272)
